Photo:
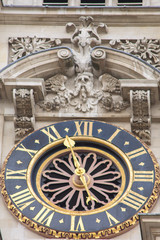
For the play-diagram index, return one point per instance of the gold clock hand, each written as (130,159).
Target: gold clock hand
(90,197)
(69,143)
(79,171)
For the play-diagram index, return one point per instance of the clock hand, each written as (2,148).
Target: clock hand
(90,197)
(79,171)
(69,143)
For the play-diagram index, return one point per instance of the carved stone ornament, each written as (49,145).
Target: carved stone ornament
(84,37)
(23,46)
(141,117)
(146,49)
(81,87)
(24,109)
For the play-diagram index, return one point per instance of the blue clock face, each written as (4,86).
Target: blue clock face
(80,179)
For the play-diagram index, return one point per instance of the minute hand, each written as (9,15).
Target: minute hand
(69,143)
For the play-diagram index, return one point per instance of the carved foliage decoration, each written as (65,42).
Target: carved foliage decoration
(24,46)
(141,118)
(24,109)
(83,95)
(84,89)
(146,49)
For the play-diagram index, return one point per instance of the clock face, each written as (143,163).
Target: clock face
(80,179)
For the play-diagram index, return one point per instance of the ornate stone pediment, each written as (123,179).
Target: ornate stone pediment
(84,79)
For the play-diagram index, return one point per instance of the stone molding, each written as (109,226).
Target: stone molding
(150,226)
(37,84)
(112,16)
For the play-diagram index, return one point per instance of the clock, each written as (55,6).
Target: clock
(80,179)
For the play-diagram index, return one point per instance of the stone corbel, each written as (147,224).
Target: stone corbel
(24,92)
(141,93)
(66,61)
(140,115)
(24,103)
(37,84)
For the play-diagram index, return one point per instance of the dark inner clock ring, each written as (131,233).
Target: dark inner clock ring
(62,187)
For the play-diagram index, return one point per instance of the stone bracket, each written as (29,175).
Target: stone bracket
(141,93)
(37,84)
(140,116)
(140,84)
(24,105)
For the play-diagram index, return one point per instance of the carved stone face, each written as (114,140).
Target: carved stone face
(84,82)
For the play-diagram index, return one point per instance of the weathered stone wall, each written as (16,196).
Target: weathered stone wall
(18,23)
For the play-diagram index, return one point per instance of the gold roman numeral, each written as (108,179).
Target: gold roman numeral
(18,174)
(83,128)
(143,176)
(111,219)
(22,199)
(43,216)
(22,148)
(77,227)
(113,135)
(134,200)
(137,152)
(51,137)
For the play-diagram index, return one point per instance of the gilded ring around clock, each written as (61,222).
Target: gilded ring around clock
(124,189)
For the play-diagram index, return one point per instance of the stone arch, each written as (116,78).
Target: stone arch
(46,63)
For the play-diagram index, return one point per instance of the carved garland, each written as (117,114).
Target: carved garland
(23,46)
(146,49)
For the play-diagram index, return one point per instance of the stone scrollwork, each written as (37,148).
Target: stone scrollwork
(66,61)
(146,49)
(85,36)
(23,46)
(141,118)
(24,108)
(98,56)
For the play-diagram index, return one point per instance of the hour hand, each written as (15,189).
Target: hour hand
(89,198)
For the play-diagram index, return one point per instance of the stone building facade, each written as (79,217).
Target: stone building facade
(79,62)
